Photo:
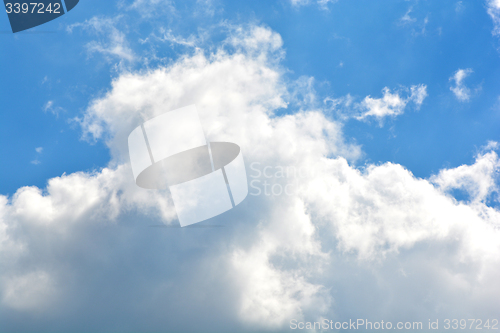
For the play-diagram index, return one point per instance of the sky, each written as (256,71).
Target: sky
(391,110)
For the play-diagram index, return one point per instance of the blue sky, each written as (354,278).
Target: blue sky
(375,47)
(394,104)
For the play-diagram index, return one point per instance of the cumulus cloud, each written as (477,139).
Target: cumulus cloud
(478,180)
(30,291)
(343,242)
(462,93)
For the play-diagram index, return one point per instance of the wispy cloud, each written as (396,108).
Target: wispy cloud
(461,91)
(417,28)
(406,19)
(111,43)
(391,104)
(149,8)
(50,107)
(165,35)
(207,7)
(39,151)
(494,12)
(323,4)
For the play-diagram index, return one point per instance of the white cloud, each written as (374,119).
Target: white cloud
(149,3)
(347,243)
(406,19)
(494,12)
(322,3)
(39,151)
(257,41)
(208,7)
(386,209)
(30,291)
(418,27)
(168,36)
(478,180)
(460,90)
(391,104)
(418,94)
(149,8)
(112,42)
(49,107)
(491,145)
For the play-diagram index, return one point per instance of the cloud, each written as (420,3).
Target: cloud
(323,4)
(462,93)
(208,7)
(149,8)
(478,180)
(39,151)
(29,291)
(406,19)
(493,7)
(257,41)
(348,242)
(55,110)
(416,28)
(112,42)
(48,105)
(391,104)
(168,36)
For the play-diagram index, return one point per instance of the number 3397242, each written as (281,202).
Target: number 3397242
(33,8)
